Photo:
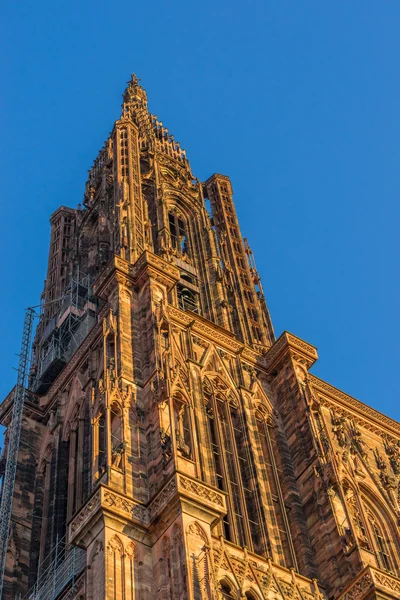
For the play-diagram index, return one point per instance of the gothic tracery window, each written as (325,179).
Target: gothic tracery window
(225,461)
(178,233)
(380,542)
(168,581)
(272,472)
(232,475)
(246,467)
(217,459)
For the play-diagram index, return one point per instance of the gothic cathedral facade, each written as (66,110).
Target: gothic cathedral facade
(171,447)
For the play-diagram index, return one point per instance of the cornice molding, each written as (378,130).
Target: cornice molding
(151,266)
(181,485)
(214,333)
(120,271)
(289,344)
(372,418)
(107,501)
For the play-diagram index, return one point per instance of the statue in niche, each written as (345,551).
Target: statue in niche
(338,428)
(357,442)
(116,454)
(112,374)
(166,445)
(393,451)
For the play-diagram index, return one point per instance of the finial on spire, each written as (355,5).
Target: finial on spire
(133,90)
(134,80)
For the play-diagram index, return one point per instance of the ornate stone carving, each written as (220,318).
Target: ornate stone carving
(386,581)
(166,446)
(85,513)
(200,490)
(377,420)
(392,448)
(131,508)
(163,497)
(115,545)
(360,588)
(338,428)
(387,480)
(130,551)
(195,529)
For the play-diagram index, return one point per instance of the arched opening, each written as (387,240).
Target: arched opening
(384,559)
(247,472)
(101,443)
(383,537)
(179,237)
(265,436)
(117,436)
(227,590)
(116,566)
(188,299)
(217,458)
(251,595)
(224,464)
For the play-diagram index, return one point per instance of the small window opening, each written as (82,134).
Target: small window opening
(179,238)
(188,299)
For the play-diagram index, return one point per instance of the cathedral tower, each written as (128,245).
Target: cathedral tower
(171,447)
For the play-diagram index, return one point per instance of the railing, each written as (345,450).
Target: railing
(67,564)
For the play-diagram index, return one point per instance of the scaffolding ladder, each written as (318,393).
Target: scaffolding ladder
(7,491)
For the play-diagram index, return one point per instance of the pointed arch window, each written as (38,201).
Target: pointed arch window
(251,596)
(101,443)
(117,436)
(381,544)
(178,232)
(227,591)
(116,567)
(232,474)
(266,440)
(251,494)
(217,459)
(74,472)
(225,466)
(167,569)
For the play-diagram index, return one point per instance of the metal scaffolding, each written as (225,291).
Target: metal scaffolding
(61,337)
(66,564)
(7,490)
(64,333)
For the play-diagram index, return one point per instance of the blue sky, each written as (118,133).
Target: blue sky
(297,101)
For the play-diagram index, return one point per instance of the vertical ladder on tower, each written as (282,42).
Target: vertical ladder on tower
(13,442)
